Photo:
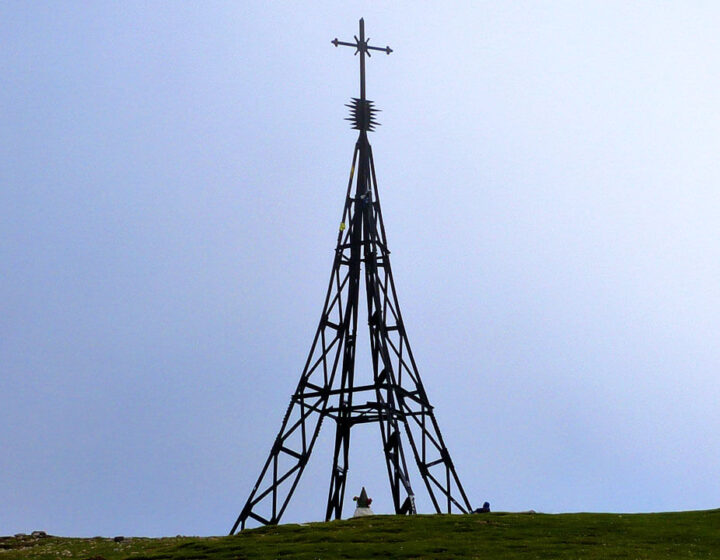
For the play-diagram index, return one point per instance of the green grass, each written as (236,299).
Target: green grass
(487,536)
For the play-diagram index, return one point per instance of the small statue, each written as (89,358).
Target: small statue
(363,504)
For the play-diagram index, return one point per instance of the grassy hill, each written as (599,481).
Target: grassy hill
(487,536)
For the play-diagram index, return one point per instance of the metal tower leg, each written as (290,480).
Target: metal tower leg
(310,403)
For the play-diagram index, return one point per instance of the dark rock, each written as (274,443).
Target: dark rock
(119,539)
(39,534)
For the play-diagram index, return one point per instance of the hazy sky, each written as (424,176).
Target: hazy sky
(172,176)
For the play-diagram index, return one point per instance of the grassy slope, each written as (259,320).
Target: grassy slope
(495,535)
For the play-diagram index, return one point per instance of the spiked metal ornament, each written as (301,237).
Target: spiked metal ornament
(362,114)
(392,395)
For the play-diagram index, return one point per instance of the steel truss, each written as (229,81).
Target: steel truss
(395,400)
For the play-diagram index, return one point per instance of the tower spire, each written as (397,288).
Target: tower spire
(391,395)
(362,111)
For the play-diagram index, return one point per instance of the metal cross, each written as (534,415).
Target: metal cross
(362,47)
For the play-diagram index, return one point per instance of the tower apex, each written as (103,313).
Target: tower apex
(362,47)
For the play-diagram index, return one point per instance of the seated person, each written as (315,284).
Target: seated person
(484,509)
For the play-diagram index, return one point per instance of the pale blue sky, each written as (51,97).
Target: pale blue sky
(171,180)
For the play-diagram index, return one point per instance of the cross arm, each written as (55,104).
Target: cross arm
(387,50)
(358,45)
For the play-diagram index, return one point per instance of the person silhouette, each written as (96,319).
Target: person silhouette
(484,509)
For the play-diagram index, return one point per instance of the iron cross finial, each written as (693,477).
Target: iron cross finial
(362,47)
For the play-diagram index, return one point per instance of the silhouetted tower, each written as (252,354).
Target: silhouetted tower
(395,399)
